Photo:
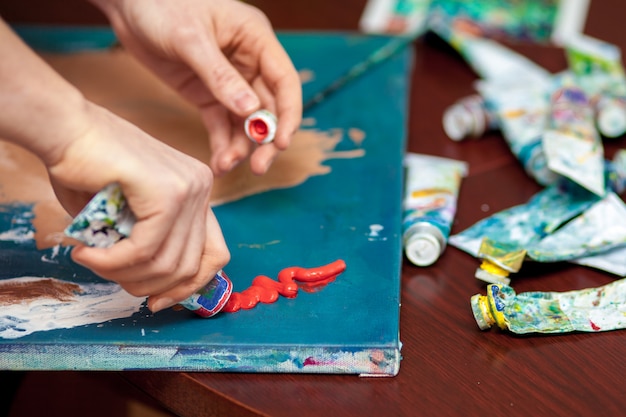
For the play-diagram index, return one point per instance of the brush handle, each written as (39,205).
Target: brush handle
(378,56)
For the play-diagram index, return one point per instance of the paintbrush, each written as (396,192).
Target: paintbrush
(380,55)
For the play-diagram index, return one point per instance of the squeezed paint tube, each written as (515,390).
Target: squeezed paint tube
(500,240)
(522,109)
(571,144)
(598,66)
(107,219)
(563,222)
(260,126)
(587,310)
(430,200)
(520,226)
(600,228)
(468,117)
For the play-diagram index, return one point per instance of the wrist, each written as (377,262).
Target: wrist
(41,111)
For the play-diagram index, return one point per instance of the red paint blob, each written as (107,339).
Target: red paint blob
(266,290)
(258,130)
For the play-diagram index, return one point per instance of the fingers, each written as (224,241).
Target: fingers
(283,82)
(276,87)
(228,142)
(214,256)
(226,83)
(186,261)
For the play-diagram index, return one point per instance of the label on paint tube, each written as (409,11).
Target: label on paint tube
(431,191)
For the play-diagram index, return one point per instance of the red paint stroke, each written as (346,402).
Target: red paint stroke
(594,326)
(266,290)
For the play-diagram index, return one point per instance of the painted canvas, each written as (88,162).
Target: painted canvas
(336,195)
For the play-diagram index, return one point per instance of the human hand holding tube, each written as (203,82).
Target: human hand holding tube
(176,245)
(223,56)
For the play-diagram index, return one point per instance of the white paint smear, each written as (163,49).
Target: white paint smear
(97,303)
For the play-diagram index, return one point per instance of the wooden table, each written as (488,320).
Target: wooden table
(449,366)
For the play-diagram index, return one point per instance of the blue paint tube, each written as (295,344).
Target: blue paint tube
(107,219)
(430,200)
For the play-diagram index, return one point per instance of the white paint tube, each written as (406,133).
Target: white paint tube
(430,201)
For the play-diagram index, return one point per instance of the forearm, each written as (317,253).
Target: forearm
(41,111)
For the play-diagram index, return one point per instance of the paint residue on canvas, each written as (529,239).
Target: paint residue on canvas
(31,304)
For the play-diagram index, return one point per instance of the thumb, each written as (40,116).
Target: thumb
(221,78)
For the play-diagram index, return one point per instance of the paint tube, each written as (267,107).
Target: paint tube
(431,192)
(521,225)
(563,222)
(587,310)
(522,109)
(598,66)
(501,239)
(468,117)
(260,126)
(107,219)
(571,144)
(600,228)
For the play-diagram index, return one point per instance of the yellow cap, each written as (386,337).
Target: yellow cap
(480,308)
(488,309)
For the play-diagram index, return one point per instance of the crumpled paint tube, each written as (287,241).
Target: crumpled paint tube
(106,219)
(514,88)
(571,143)
(587,310)
(522,111)
(525,226)
(521,225)
(598,67)
(430,201)
(600,228)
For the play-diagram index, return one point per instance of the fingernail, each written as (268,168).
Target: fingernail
(161,304)
(246,102)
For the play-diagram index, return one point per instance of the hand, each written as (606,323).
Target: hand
(223,56)
(176,246)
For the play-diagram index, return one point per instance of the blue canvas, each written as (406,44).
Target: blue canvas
(350,326)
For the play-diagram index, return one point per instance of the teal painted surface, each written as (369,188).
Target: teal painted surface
(350,326)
